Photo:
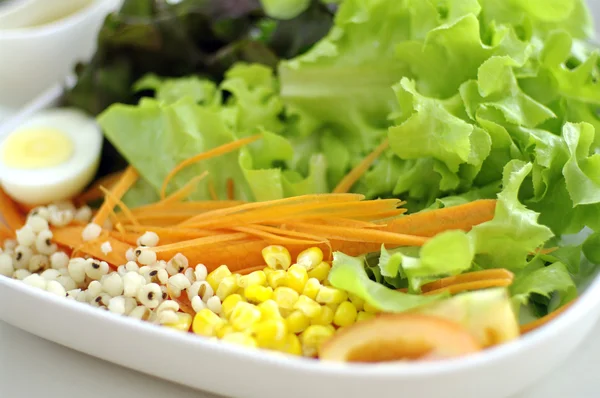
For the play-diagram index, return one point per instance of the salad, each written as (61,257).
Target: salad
(353,180)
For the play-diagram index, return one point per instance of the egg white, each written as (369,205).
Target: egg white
(63,181)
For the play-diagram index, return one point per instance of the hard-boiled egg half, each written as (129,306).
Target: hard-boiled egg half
(50,157)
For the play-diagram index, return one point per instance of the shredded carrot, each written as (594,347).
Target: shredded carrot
(184,191)
(274,205)
(5,233)
(212,191)
(230,189)
(124,208)
(72,237)
(183,301)
(351,178)
(10,212)
(528,327)
(190,208)
(489,274)
(469,286)
(361,235)
(94,192)
(274,239)
(165,252)
(128,178)
(249,270)
(221,150)
(430,223)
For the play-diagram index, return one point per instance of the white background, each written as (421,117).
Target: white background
(32,367)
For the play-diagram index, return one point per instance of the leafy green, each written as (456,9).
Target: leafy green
(543,280)
(348,273)
(514,233)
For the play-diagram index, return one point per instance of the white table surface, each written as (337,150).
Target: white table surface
(32,367)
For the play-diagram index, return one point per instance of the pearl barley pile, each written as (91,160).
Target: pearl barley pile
(284,306)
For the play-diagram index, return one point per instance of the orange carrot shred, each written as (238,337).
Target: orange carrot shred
(94,192)
(469,286)
(184,191)
(10,212)
(275,239)
(128,178)
(496,273)
(528,327)
(230,189)
(124,208)
(221,150)
(351,178)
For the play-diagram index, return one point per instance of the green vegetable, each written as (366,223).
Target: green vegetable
(348,273)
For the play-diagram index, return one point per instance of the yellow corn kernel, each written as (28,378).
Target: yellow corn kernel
(363,316)
(207,323)
(258,293)
(331,295)
(297,322)
(229,304)
(310,258)
(277,257)
(308,306)
(277,278)
(320,272)
(325,317)
(184,321)
(244,316)
(345,315)
(296,278)
(312,287)
(292,345)
(285,297)
(241,339)
(370,309)
(270,333)
(215,277)
(253,278)
(225,330)
(313,338)
(269,310)
(357,301)
(227,287)
(268,270)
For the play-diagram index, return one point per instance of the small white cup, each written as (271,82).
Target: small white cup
(38,47)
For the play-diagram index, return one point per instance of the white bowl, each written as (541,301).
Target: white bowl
(37,51)
(239,372)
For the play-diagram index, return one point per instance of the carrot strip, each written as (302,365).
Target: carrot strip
(275,204)
(528,327)
(221,150)
(124,208)
(497,273)
(71,238)
(286,232)
(351,178)
(94,192)
(294,211)
(361,235)
(212,191)
(5,233)
(249,270)
(184,302)
(468,286)
(10,212)
(230,189)
(184,191)
(272,238)
(128,178)
(430,223)
(199,242)
(190,208)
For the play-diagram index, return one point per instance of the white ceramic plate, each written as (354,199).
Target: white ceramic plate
(228,370)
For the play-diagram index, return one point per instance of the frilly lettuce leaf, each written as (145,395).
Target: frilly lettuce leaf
(514,233)
(348,273)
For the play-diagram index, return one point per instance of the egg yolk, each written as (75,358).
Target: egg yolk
(37,148)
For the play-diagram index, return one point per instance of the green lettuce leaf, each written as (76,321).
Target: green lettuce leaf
(514,233)
(348,273)
(544,281)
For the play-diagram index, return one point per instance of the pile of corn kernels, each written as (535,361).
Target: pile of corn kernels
(287,307)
